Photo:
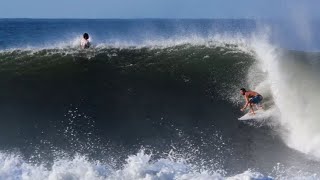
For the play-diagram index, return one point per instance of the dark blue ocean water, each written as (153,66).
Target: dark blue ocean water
(17,33)
(29,32)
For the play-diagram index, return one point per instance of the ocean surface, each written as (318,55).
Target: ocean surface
(158,99)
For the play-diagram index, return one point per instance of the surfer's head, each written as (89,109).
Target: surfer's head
(86,36)
(243,91)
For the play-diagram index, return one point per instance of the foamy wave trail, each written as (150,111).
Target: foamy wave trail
(137,167)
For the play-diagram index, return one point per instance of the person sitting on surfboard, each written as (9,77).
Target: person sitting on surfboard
(85,43)
(251,98)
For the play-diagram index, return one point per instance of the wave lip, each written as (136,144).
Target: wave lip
(149,42)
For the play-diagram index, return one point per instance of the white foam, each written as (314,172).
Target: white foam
(295,90)
(136,167)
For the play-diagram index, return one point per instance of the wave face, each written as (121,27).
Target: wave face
(127,93)
(164,108)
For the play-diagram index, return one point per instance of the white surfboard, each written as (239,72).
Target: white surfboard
(259,114)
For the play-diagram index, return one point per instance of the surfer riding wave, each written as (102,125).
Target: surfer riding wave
(251,98)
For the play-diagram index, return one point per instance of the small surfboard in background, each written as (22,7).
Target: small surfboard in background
(259,114)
